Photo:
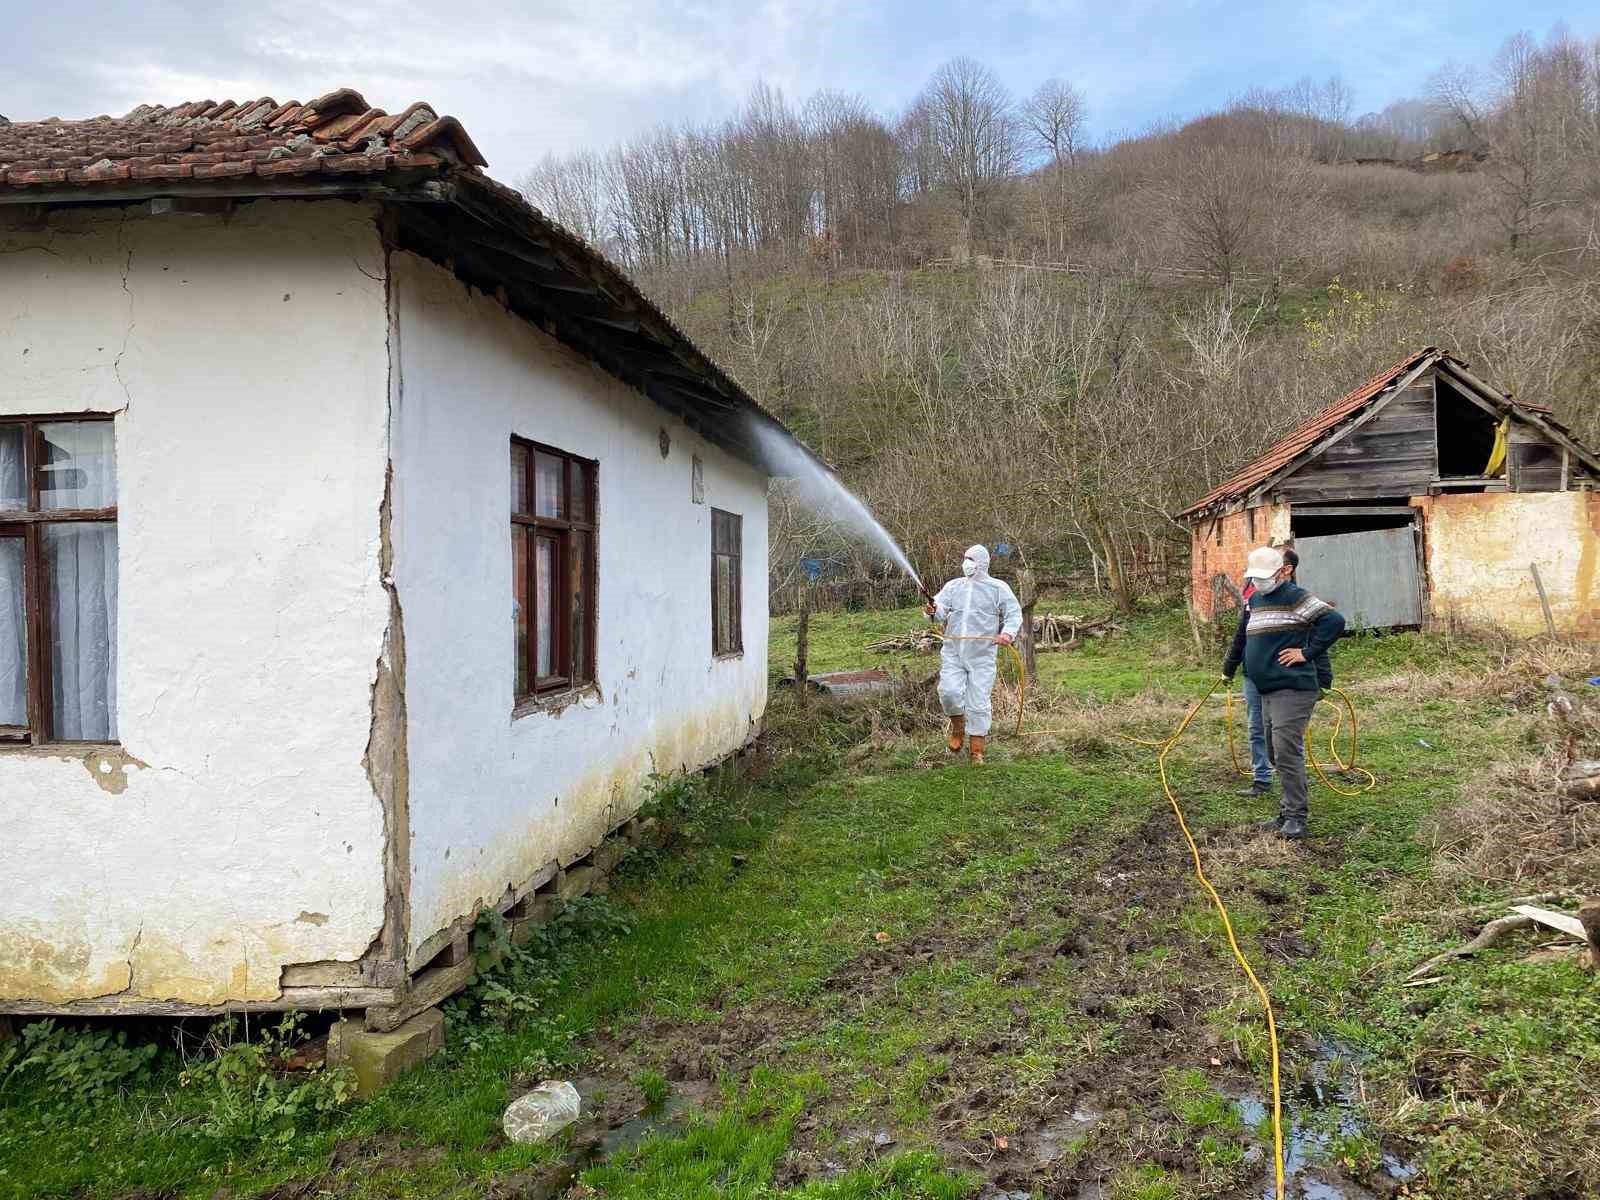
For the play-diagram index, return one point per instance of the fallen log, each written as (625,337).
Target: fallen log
(1472,910)
(1563,922)
(1581,780)
(1488,936)
(1589,915)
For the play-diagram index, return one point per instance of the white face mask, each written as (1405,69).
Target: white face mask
(968,567)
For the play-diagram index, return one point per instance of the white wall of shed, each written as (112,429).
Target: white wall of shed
(245,358)
(494,798)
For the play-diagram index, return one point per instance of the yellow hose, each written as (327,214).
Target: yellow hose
(1333,747)
(1166,746)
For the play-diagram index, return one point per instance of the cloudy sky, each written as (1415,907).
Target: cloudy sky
(530,77)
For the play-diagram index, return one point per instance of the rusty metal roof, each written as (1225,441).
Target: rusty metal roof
(427,168)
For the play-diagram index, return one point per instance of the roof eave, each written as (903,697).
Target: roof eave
(680,378)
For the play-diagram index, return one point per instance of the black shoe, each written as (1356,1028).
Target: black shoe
(1255,790)
(1293,828)
(1272,826)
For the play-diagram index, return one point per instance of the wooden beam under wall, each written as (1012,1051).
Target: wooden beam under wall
(1343,510)
(308,999)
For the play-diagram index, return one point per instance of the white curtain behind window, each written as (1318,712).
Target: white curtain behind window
(13,646)
(13,492)
(81,561)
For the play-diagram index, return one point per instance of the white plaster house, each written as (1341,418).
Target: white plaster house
(366,542)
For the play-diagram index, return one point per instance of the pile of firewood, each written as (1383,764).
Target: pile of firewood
(1051,631)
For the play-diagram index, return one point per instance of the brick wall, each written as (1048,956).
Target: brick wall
(1222,546)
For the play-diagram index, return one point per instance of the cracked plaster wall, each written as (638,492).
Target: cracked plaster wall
(246,359)
(494,798)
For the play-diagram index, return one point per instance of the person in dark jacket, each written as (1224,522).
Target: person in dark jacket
(1283,642)
(1260,756)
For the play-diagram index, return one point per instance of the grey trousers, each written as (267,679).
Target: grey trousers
(1287,712)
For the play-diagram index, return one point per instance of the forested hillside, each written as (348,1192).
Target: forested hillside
(998,331)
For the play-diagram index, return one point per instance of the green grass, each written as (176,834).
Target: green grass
(950,956)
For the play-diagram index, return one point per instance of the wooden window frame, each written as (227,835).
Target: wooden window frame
(718,649)
(29,526)
(566,676)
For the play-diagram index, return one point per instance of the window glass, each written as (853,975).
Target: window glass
(726,536)
(520,606)
(13,481)
(725,608)
(553,562)
(519,479)
(582,492)
(13,635)
(579,642)
(544,581)
(81,572)
(78,466)
(549,499)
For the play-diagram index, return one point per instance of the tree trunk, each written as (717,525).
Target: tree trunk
(1115,576)
(1027,596)
(802,632)
(1589,914)
(1581,780)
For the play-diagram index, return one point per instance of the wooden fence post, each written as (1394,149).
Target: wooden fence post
(1027,596)
(802,632)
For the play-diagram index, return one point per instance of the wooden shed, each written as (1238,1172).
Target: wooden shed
(1424,494)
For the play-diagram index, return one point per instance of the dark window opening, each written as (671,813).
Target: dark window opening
(727,562)
(58,580)
(1304,522)
(553,531)
(1465,431)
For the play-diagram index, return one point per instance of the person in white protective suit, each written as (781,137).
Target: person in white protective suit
(980,614)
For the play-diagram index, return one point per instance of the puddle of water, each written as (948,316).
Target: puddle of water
(670,1118)
(1062,1136)
(1328,1093)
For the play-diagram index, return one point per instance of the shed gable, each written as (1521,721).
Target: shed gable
(1394,453)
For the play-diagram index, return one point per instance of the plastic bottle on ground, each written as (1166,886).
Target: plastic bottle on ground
(543,1112)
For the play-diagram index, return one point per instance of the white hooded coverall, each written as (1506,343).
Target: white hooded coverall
(977,607)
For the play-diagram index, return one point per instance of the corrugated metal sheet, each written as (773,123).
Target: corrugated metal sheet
(1370,577)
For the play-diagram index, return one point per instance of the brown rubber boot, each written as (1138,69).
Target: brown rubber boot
(958,734)
(976,743)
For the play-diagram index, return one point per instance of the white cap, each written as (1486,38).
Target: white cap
(1265,562)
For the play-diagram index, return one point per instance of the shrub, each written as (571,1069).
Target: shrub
(75,1067)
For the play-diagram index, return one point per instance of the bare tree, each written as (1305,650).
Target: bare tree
(575,189)
(1054,117)
(1537,114)
(974,130)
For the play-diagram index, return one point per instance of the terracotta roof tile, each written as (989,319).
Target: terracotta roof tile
(1307,434)
(340,137)
(339,133)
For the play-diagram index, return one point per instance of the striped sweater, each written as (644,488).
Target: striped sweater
(1276,620)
